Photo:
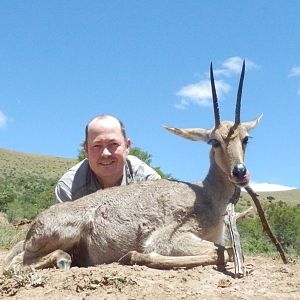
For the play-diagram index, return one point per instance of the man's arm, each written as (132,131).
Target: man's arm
(150,174)
(62,193)
(70,182)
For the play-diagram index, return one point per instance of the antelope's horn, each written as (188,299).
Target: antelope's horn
(215,98)
(239,97)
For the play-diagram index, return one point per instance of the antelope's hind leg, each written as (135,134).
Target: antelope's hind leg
(51,240)
(14,265)
(21,261)
(58,258)
(41,251)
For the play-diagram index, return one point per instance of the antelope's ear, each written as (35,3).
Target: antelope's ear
(251,124)
(194,134)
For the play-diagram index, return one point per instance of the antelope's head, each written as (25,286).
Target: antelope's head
(228,139)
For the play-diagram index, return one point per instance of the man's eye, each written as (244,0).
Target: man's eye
(215,143)
(113,146)
(96,148)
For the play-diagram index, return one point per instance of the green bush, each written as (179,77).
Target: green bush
(24,198)
(284,221)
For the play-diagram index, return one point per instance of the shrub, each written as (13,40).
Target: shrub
(24,198)
(284,221)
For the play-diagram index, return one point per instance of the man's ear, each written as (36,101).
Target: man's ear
(128,145)
(85,147)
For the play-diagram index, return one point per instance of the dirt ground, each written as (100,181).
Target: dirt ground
(267,279)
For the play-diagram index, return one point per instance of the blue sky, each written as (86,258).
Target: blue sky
(146,62)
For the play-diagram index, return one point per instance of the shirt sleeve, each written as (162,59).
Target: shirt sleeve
(141,171)
(62,193)
(148,173)
(153,176)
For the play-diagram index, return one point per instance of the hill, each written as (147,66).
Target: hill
(27,182)
(291,197)
(21,164)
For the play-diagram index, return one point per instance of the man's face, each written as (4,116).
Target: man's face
(107,150)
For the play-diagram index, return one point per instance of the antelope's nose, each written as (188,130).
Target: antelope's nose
(239,171)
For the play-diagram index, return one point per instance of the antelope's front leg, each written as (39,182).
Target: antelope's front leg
(157,261)
(187,251)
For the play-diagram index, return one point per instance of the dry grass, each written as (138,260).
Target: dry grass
(291,197)
(21,164)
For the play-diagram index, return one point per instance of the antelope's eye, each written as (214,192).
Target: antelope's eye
(245,141)
(215,143)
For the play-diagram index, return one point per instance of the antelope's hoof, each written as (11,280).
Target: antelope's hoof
(63,264)
(239,275)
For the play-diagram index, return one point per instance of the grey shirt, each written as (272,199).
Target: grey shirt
(80,180)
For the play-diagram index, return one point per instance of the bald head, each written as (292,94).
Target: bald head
(105,118)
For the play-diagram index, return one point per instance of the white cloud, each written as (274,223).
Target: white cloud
(200,93)
(182,104)
(269,187)
(3,120)
(233,66)
(295,71)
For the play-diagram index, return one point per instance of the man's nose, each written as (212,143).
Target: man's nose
(106,152)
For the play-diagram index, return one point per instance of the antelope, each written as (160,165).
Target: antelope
(161,224)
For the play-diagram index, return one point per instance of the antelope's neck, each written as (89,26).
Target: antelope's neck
(217,186)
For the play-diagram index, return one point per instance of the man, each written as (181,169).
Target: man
(107,164)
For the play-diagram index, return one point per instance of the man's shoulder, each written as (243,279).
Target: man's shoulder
(137,163)
(75,183)
(140,170)
(81,169)
(134,160)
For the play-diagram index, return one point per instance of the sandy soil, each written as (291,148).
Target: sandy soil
(267,278)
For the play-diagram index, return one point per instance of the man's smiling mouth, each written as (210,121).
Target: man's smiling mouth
(106,163)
